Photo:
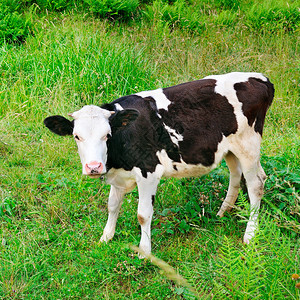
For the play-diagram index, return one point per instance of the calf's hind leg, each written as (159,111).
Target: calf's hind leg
(234,183)
(255,178)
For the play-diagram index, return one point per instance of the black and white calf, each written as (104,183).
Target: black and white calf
(180,131)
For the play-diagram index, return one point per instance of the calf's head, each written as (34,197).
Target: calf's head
(91,127)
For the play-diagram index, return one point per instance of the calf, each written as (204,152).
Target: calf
(180,131)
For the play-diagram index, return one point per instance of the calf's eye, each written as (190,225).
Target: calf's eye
(77,137)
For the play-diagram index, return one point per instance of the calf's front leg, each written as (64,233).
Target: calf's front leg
(147,189)
(115,200)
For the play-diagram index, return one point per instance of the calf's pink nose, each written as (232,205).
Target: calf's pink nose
(94,167)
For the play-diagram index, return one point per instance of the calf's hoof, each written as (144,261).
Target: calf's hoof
(247,239)
(106,237)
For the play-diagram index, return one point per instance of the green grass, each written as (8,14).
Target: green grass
(51,218)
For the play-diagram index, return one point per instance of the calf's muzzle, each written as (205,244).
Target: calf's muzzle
(94,168)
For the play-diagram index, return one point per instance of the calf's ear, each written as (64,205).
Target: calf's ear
(59,125)
(123,118)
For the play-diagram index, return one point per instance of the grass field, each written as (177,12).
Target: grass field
(51,218)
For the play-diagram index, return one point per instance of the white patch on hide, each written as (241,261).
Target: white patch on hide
(175,137)
(182,169)
(121,179)
(225,87)
(162,102)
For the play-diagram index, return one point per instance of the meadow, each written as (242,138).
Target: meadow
(51,217)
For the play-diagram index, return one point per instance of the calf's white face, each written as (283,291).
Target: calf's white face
(91,131)
(91,128)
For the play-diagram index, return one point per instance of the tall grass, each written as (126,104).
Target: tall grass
(80,68)
(51,218)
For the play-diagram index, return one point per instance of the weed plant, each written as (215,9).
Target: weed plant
(14,27)
(17,18)
(117,8)
(51,218)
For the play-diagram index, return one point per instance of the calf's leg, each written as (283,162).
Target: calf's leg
(147,189)
(255,178)
(115,200)
(234,183)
